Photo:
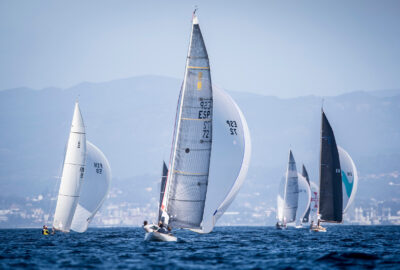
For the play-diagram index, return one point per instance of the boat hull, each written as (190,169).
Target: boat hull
(159,237)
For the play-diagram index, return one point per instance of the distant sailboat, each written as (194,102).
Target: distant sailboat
(288,196)
(196,195)
(306,216)
(84,182)
(337,186)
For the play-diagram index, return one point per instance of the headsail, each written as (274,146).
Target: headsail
(303,208)
(304,173)
(314,201)
(349,178)
(162,187)
(291,192)
(231,142)
(330,179)
(94,188)
(186,188)
(72,175)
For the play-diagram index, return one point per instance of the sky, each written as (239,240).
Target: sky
(280,48)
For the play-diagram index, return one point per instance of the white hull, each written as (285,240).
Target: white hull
(159,237)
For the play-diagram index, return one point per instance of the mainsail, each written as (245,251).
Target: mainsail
(162,187)
(94,188)
(184,198)
(349,178)
(314,201)
(291,191)
(304,173)
(72,175)
(330,179)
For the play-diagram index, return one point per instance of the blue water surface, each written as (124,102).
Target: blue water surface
(341,247)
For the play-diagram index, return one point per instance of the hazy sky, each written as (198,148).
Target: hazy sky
(283,48)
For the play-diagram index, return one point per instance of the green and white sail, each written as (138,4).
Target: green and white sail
(349,178)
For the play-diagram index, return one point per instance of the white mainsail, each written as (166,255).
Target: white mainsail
(186,188)
(94,188)
(304,198)
(72,175)
(209,123)
(291,191)
(349,178)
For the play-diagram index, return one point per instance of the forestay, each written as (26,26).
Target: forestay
(186,190)
(349,178)
(94,188)
(72,175)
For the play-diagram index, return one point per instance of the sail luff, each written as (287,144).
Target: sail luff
(330,180)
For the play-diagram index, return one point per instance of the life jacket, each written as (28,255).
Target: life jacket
(45,232)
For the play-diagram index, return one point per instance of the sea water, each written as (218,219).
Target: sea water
(350,247)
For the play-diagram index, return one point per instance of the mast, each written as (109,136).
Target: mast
(330,179)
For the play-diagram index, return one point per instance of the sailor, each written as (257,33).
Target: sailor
(149,227)
(45,231)
(312,225)
(162,229)
(169,230)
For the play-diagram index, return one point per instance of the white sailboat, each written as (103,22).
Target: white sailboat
(211,148)
(288,195)
(338,178)
(84,182)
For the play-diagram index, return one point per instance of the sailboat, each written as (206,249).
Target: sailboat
(288,195)
(210,151)
(338,178)
(84,183)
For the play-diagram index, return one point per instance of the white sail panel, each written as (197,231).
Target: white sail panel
(230,157)
(94,188)
(314,201)
(304,198)
(280,203)
(72,175)
(291,193)
(188,177)
(349,178)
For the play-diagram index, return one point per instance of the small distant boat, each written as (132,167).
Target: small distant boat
(288,195)
(338,178)
(85,180)
(199,188)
